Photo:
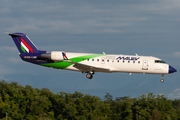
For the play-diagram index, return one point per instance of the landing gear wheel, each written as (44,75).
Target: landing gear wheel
(162,79)
(89,76)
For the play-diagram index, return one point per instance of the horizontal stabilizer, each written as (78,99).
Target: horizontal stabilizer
(14,35)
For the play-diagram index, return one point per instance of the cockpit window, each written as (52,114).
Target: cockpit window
(159,61)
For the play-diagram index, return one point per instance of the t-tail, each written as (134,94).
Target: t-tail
(26,47)
(23,43)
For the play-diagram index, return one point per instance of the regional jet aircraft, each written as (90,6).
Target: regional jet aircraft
(89,63)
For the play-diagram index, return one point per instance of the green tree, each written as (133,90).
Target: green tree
(42,104)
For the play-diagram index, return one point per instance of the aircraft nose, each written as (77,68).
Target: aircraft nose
(172,70)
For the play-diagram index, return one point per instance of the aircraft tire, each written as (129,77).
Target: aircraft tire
(89,76)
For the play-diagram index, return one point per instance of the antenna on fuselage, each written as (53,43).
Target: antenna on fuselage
(136,54)
(104,53)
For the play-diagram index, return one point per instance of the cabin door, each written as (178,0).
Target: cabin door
(145,65)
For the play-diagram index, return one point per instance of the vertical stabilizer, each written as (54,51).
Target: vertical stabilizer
(23,43)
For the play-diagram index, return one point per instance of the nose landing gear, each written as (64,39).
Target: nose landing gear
(162,79)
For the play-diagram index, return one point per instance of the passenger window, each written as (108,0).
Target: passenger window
(138,61)
(92,59)
(123,61)
(128,61)
(98,60)
(107,60)
(83,59)
(133,61)
(87,59)
(117,60)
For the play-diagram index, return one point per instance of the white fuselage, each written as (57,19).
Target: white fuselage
(124,63)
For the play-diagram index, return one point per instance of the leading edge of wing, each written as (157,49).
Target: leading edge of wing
(87,68)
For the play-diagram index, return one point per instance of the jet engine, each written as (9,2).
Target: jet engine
(54,55)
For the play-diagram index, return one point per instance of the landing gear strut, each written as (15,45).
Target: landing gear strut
(162,79)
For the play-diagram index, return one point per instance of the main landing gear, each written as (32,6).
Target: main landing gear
(162,79)
(90,75)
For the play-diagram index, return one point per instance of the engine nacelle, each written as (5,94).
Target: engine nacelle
(57,56)
(54,55)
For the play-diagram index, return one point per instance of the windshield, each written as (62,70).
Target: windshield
(159,61)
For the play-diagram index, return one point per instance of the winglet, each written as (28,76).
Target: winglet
(64,56)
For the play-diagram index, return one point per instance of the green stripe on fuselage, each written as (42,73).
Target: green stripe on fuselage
(64,64)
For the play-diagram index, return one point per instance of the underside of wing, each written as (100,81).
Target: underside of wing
(87,68)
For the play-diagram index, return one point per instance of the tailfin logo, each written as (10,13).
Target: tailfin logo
(25,47)
(64,56)
(128,58)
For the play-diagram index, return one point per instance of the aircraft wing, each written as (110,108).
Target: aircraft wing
(87,68)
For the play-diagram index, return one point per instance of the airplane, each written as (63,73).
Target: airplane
(89,62)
